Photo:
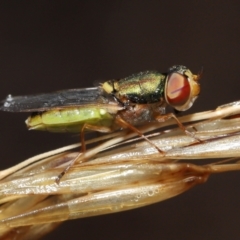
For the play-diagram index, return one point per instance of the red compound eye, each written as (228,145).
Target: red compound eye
(177,89)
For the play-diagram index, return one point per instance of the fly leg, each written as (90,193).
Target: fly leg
(165,117)
(95,128)
(83,146)
(125,124)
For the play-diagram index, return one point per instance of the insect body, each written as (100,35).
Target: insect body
(134,100)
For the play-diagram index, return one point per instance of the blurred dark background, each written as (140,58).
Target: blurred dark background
(53,45)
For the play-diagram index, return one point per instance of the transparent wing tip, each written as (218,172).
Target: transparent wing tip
(7,104)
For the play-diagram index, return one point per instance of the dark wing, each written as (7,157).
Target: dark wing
(61,99)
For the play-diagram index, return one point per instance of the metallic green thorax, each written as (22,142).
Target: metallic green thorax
(144,87)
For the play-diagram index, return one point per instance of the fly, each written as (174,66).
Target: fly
(134,100)
(115,104)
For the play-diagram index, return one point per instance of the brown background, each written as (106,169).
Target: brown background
(52,45)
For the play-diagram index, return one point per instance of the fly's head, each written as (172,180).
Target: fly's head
(181,87)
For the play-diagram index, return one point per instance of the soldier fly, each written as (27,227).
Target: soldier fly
(115,104)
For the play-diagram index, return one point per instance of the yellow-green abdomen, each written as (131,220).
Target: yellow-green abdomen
(69,119)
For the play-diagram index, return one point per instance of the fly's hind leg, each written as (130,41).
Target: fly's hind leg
(83,145)
(94,128)
(165,117)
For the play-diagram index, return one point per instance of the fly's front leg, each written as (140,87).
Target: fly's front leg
(125,124)
(165,117)
(83,145)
